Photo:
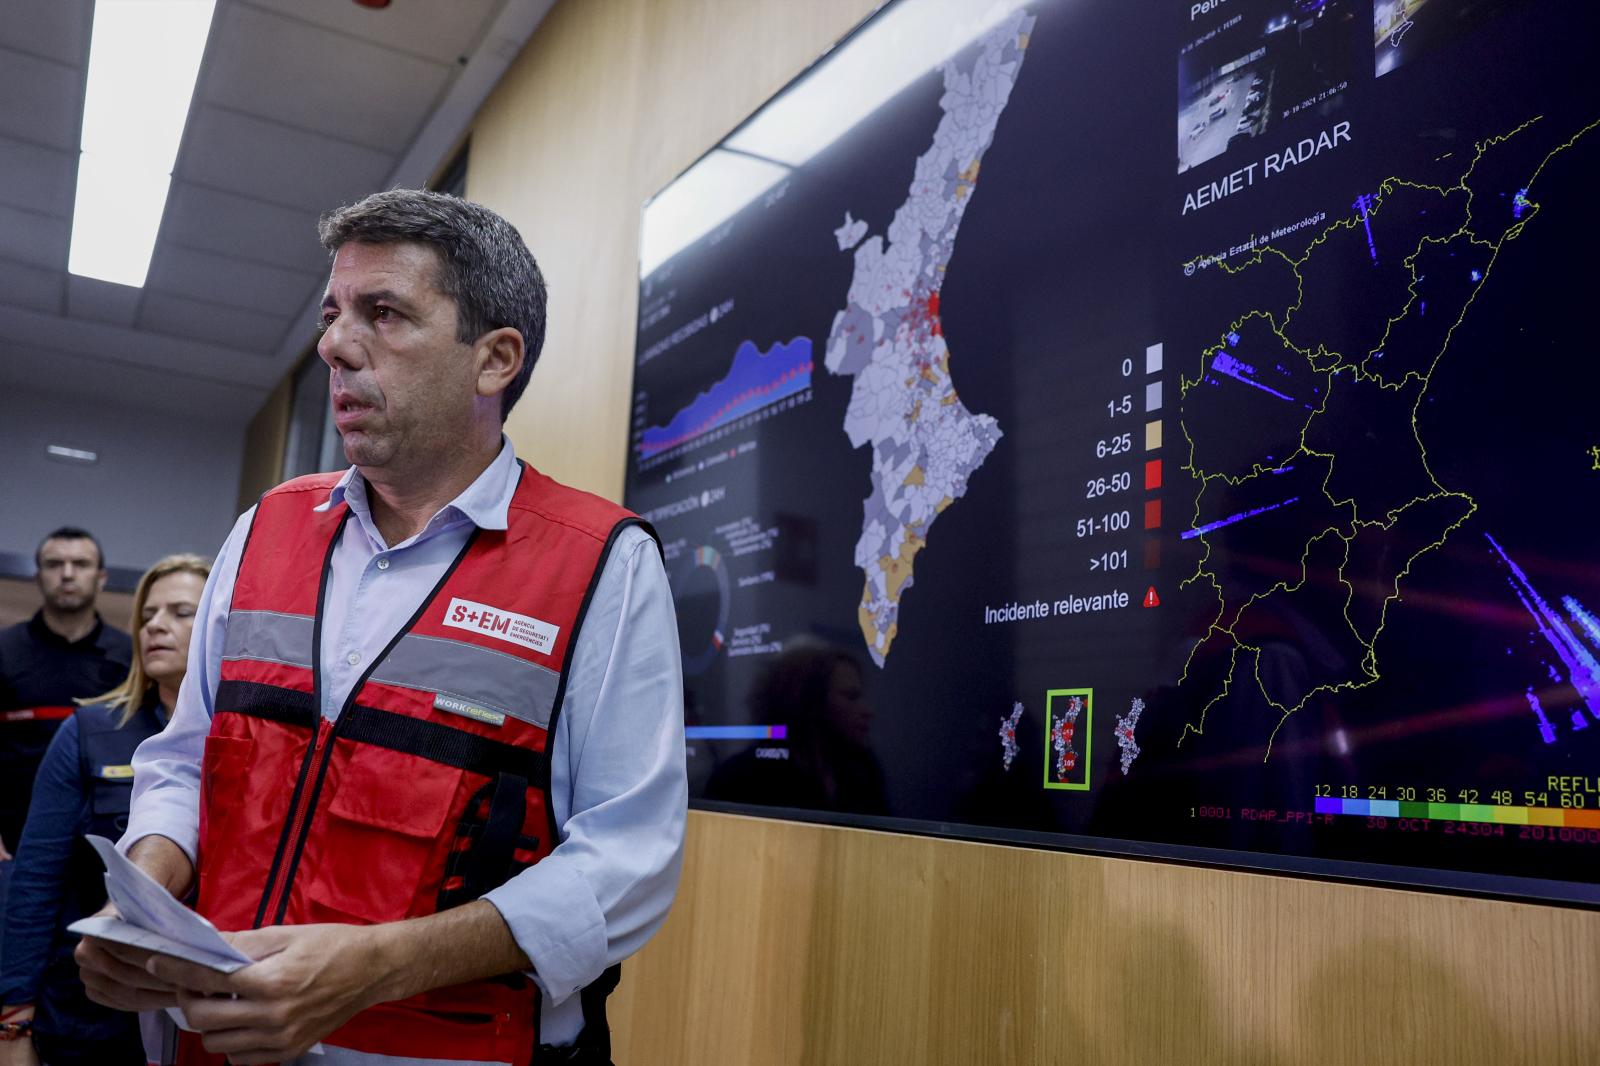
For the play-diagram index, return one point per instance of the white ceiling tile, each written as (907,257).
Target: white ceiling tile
(22,328)
(218,279)
(238,153)
(124,383)
(40,179)
(30,237)
(102,301)
(43,101)
(29,286)
(221,222)
(444,32)
(243,330)
(55,29)
(303,105)
(285,70)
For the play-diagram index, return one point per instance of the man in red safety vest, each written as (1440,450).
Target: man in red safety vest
(427,765)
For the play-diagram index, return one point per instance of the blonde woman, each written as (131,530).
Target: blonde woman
(84,785)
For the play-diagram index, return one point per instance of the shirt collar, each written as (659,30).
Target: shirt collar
(485,503)
(42,631)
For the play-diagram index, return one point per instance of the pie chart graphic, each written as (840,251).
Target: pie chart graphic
(702,593)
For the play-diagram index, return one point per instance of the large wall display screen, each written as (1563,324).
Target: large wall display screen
(1150,428)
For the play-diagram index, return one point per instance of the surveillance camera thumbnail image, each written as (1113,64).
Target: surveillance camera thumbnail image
(1405,29)
(1250,64)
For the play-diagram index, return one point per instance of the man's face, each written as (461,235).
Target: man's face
(70,575)
(402,386)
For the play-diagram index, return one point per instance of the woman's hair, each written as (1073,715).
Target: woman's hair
(131,693)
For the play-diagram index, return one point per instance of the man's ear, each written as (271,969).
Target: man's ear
(499,355)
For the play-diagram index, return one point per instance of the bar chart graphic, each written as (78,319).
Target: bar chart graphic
(736,732)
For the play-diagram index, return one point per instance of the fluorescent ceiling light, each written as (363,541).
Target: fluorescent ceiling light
(901,46)
(875,66)
(114,219)
(144,57)
(71,455)
(706,195)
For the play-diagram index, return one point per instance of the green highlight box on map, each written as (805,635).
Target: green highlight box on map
(1069,719)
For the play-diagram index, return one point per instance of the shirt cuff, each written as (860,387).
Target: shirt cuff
(556,921)
(156,816)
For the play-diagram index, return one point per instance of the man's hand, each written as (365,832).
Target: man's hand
(307,981)
(115,975)
(5,853)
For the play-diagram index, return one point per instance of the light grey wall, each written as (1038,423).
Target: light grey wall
(164,482)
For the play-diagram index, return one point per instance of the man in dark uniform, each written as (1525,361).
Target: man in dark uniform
(64,652)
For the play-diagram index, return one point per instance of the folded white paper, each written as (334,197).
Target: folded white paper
(115,929)
(152,919)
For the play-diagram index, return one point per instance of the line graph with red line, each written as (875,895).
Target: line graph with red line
(755,380)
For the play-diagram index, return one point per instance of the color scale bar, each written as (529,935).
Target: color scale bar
(1461,812)
(736,732)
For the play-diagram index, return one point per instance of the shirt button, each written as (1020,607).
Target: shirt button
(383,564)
(354,658)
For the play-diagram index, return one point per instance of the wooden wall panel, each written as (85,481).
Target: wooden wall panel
(799,944)
(264,442)
(19,599)
(809,945)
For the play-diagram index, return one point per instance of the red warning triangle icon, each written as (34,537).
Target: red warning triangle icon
(1150,597)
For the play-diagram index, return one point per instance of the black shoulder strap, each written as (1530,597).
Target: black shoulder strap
(85,756)
(595,1039)
(593,1046)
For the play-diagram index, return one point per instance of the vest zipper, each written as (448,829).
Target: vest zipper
(303,812)
(298,802)
(299,816)
(300,828)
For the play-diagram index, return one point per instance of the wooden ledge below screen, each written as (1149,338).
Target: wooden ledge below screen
(805,945)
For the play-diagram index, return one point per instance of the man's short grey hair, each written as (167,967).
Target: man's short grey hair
(484,265)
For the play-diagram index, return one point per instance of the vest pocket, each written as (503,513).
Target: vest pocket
(108,811)
(488,1026)
(385,829)
(224,777)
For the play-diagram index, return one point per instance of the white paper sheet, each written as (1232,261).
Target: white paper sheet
(152,919)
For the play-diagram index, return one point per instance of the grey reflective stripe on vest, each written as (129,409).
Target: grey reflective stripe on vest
(478,676)
(481,676)
(270,636)
(343,1056)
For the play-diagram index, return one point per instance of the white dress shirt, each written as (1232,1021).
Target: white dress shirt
(617,774)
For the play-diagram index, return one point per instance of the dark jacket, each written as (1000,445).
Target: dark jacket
(85,783)
(40,675)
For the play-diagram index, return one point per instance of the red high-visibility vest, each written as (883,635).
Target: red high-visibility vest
(432,785)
